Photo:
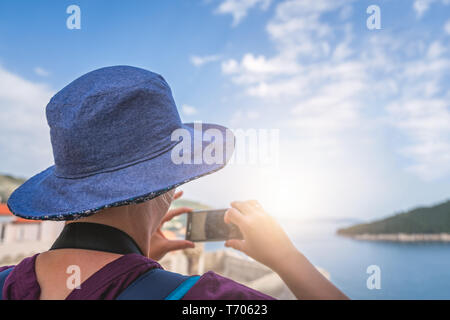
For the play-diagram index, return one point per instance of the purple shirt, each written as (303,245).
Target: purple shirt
(108,282)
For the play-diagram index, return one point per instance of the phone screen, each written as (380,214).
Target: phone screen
(209,226)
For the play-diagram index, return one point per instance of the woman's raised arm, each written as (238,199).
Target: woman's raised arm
(266,242)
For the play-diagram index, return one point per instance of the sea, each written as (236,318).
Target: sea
(406,270)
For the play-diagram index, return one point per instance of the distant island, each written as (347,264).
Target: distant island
(420,224)
(195,205)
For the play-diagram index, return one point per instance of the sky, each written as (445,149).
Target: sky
(363,115)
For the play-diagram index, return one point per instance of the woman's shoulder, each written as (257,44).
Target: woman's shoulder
(22,276)
(4,268)
(112,279)
(212,286)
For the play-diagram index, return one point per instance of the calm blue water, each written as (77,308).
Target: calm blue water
(408,271)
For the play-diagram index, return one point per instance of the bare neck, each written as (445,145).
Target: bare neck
(133,220)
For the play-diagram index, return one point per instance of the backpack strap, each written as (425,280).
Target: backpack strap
(158,284)
(3,275)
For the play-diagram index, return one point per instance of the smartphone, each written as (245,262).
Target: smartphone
(208,225)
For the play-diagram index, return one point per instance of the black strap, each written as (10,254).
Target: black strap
(97,237)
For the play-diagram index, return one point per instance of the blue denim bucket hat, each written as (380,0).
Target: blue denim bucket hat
(112,132)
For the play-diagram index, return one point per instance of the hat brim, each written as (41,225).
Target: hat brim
(48,197)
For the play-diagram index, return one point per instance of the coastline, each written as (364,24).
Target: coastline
(401,237)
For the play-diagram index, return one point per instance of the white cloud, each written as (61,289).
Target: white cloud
(24,134)
(189,110)
(298,32)
(199,61)
(426,122)
(242,117)
(328,89)
(239,8)
(447,27)
(435,50)
(253,115)
(346,12)
(422,6)
(421,112)
(230,66)
(255,70)
(41,72)
(367,113)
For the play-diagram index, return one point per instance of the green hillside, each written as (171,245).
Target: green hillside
(191,204)
(435,219)
(7,185)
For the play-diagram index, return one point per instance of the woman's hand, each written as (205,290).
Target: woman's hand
(159,244)
(266,242)
(264,239)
